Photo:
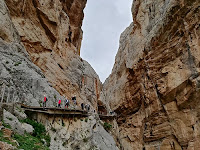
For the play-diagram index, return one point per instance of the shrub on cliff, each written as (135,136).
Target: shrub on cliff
(107,126)
(39,131)
(29,142)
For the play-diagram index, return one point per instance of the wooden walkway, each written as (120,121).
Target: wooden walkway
(103,117)
(8,98)
(63,112)
(54,110)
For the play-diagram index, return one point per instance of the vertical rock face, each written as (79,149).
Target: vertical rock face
(51,33)
(77,133)
(21,80)
(154,86)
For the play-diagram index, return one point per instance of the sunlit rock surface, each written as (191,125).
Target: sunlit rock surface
(154,86)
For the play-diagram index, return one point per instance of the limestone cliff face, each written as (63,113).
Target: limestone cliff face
(77,133)
(26,38)
(154,86)
(51,33)
(21,80)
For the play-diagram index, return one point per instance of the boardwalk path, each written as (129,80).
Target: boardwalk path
(54,110)
(62,111)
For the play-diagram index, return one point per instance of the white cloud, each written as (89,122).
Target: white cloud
(104,21)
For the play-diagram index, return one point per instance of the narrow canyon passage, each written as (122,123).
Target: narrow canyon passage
(153,88)
(103,23)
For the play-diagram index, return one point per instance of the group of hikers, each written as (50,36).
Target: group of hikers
(59,102)
(85,106)
(67,103)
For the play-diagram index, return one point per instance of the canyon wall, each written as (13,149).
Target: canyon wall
(154,86)
(51,32)
(73,133)
(21,80)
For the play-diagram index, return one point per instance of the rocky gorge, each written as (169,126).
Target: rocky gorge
(154,84)
(39,54)
(154,87)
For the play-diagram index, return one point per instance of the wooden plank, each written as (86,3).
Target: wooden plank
(54,112)
(107,116)
(63,112)
(52,108)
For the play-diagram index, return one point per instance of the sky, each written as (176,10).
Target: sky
(103,23)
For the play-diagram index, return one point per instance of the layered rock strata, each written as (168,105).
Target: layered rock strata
(51,33)
(154,86)
(20,80)
(24,82)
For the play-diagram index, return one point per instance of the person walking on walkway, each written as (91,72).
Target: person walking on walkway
(67,103)
(59,103)
(45,102)
(88,107)
(74,99)
(82,106)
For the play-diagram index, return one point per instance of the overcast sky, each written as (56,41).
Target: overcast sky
(103,23)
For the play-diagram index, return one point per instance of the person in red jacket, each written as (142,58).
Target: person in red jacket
(59,103)
(45,102)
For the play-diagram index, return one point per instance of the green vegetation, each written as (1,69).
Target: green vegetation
(19,109)
(10,119)
(17,63)
(39,131)
(64,143)
(75,119)
(63,124)
(27,142)
(7,62)
(81,119)
(107,126)
(86,119)
(85,140)
(4,139)
(40,102)
(6,125)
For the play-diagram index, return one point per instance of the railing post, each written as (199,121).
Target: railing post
(3,91)
(13,98)
(8,95)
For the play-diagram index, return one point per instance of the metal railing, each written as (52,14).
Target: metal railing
(7,94)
